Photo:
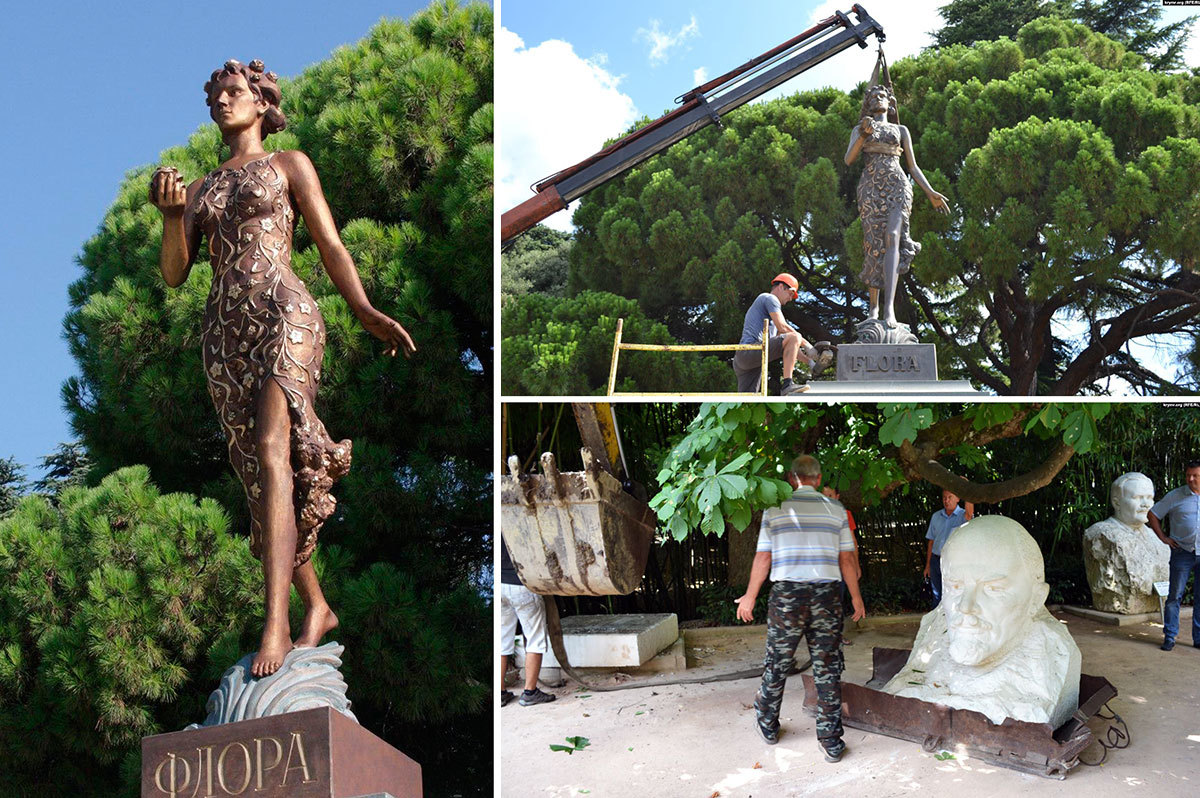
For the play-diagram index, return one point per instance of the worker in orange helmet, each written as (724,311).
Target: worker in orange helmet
(785,341)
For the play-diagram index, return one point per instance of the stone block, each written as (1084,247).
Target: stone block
(615,641)
(886,362)
(316,753)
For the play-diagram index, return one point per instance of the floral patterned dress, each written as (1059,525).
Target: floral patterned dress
(882,187)
(261,324)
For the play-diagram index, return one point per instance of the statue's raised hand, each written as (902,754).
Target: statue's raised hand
(168,191)
(390,331)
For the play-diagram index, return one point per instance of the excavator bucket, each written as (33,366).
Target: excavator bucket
(576,533)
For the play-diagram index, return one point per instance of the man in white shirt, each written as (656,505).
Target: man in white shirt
(806,548)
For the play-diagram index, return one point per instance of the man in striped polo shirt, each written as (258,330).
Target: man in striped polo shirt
(805,546)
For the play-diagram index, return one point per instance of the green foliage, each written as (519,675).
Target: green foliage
(560,347)
(536,262)
(1134,23)
(573,744)
(968,22)
(1074,174)
(718,605)
(112,606)
(12,484)
(731,459)
(66,467)
(903,423)
(726,466)
(399,127)
(894,594)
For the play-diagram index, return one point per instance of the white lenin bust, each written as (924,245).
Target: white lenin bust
(1122,556)
(991,645)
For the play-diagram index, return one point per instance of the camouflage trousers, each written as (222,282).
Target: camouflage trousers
(812,610)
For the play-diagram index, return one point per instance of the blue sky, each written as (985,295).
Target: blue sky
(92,91)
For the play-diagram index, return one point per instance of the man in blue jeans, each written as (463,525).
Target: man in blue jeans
(943,522)
(1181,510)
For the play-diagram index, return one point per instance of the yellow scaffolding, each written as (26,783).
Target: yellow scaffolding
(618,345)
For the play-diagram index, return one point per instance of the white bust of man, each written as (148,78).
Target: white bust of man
(1122,556)
(991,645)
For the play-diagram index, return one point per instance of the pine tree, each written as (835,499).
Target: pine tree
(12,484)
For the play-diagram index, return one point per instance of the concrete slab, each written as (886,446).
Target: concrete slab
(615,641)
(697,740)
(1117,619)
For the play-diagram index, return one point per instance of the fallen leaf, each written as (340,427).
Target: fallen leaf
(716,794)
(757,766)
(586,715)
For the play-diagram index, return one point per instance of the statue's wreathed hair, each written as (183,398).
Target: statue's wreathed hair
(262,84)
(893,113)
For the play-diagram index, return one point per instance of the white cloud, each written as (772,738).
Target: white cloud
(536,138)
(661,43)
(699,76)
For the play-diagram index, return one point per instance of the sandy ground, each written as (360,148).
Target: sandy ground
(698,741)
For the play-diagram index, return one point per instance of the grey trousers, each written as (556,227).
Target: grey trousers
(747,365)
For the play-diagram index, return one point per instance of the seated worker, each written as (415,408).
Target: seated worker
(786,345)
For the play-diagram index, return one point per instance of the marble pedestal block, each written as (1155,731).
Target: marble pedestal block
(615,641)
(887,362)
(316,753)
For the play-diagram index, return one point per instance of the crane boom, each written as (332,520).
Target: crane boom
(701,107)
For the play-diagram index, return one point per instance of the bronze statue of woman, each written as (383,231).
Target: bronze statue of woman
(885,198)
(264,337)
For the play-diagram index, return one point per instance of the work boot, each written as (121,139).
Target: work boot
(1167,645)
(769,737)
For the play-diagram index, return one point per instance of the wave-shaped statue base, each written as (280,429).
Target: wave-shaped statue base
(308,679)
(874,331)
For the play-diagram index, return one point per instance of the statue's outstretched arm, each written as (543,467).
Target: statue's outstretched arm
(305,187)
(939,201)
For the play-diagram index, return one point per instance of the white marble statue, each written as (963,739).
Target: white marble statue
(1122,556)
(991,645)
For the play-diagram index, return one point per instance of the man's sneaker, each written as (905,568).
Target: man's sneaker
(536,696)
(769,737)
(794,388)
(1167,645)
(833,752)
(505,697)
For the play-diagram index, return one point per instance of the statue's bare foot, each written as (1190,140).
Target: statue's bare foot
(274,647)
(891,322)
(873,313)
(318,621)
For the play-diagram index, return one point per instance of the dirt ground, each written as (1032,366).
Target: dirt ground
(698,740)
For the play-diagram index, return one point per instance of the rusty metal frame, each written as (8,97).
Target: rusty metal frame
(1035,748)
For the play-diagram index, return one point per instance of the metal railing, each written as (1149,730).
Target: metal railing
(618,345)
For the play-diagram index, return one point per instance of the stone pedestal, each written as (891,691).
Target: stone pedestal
(1122,565)
(316,753)
(887,362)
